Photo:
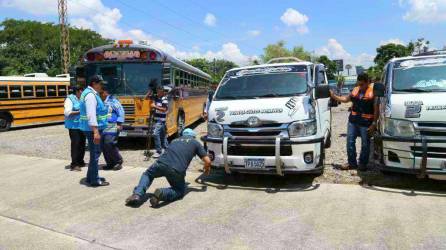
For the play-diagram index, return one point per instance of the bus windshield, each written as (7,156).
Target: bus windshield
(426,75)
(126,79)
(262,86)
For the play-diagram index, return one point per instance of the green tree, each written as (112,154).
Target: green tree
(215,68)
(31,46)
(279,50)
(389,51)
(329,65)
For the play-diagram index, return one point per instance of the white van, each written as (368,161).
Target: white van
(273,118)
(412,125)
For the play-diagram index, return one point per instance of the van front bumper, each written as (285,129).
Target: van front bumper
(423,156)
(276,163)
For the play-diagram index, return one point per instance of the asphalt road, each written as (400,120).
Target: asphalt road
(44,206)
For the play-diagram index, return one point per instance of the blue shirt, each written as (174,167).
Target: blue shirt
(115,115)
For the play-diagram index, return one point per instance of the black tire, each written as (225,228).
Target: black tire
(181,121)
(328,142)
(5,123)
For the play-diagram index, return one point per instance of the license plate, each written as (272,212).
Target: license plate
(122,134)
(254,163)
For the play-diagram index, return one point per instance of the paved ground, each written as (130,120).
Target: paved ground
(43,206)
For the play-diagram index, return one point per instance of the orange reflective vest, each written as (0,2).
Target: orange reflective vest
(363,109)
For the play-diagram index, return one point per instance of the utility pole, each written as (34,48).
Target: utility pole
(64,35)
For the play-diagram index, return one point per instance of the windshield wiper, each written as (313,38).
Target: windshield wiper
(414,90)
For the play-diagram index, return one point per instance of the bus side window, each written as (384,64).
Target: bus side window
(3,92)
(15,91)
(40,91)
(62,90)
(51,90)
(28,91)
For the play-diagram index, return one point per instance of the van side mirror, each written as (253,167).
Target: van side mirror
(378,89)
(322,91)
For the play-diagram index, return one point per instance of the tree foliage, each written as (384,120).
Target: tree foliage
(279,50)
(329,65)
(215,68)
(30,46)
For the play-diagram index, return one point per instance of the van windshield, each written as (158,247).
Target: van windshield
(242,85)
(421,75)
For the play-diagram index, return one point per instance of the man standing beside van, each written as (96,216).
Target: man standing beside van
(93,121)
(362,121)
(77,137)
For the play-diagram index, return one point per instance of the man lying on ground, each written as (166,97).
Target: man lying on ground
(172,165)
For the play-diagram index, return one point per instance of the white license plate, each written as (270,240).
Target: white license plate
(254,163)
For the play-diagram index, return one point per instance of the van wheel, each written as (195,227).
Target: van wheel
(5,123)
(180,124)
(328,142)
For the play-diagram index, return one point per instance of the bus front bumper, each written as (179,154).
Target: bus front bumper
(133,131)
(425,157)
(231,154)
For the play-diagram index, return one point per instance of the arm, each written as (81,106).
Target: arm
(207,164)
(68,107)
(148,95)
(164,107)
(372,127)
(343,99)
(90,102)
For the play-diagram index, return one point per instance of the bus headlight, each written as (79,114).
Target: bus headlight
(302,128)
(403,128)
(215,130)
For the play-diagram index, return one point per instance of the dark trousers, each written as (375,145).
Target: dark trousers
(95,153)
(77,138)
(353,131)
(176,180)
(110,150)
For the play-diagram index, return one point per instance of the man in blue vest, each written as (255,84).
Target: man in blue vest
(93,121)
(77,137)
(109,141)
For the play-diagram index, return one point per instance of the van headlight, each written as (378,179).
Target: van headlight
(402,128)
(302,128)
(215,130)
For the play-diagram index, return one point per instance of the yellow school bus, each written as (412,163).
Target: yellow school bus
(130,68)
(32,99)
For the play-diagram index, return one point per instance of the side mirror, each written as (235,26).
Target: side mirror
(322,91)
(378,89)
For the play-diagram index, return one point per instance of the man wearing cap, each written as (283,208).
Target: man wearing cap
(77,137)
(172,165)
(161,107)
(93,121)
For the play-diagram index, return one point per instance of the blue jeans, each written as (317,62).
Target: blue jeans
(160,137)
(353,132)
(95,153)
(176,180)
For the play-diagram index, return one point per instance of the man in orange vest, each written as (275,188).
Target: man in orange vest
(362,121)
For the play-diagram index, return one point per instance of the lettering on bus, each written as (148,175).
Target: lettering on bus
(121,54)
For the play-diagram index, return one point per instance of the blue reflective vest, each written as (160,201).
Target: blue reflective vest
(101,112)
(72,121)
(115,114)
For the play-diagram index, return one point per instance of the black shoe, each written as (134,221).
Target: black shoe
(117,167)
(133,200)
(362,168)
(155,199)
(100,184)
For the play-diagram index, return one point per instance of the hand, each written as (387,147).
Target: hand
(119,127)
(96,138)
(371,129)
(205,115)
(207,169)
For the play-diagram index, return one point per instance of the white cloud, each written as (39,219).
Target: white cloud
(424,11)
(295,19)
(390,41)
(210,20)
(335,50)
(254,32)
(94,15)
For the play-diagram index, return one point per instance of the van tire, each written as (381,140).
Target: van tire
(5,122)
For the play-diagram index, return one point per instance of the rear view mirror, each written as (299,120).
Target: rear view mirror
(322,91)
(378,89)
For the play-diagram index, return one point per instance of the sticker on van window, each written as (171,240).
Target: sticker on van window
(266,70)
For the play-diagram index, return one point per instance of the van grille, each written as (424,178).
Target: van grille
(431,129)
(432,152)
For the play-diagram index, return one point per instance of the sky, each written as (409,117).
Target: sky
(238,30)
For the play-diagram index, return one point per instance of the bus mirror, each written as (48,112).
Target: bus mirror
(378,89)
(322,91)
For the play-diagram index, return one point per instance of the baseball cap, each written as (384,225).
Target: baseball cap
(189,132)
(97,78)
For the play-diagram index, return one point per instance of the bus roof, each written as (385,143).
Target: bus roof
(165,57)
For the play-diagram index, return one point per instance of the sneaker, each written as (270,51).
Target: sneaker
(156,155)
(155,199)
(133,200)
(100,184)
(117,167)
(75,168)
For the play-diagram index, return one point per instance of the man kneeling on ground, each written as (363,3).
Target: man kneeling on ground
(172,165)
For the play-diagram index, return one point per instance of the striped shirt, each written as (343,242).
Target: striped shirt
(160,116)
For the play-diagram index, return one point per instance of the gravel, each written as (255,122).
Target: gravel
(53,142)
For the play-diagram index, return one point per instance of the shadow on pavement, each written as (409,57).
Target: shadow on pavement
(35,126)
(265,183)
